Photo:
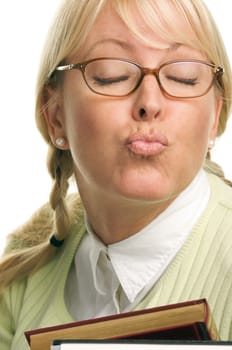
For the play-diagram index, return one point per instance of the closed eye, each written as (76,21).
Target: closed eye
(108,81)
(186,81)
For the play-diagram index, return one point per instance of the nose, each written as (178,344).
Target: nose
(148,99)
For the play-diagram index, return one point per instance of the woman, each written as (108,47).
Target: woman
(130,98)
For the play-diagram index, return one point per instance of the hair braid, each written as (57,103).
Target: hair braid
(60,166)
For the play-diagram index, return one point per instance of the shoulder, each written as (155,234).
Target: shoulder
(217,219)
(221,191)
(41,225)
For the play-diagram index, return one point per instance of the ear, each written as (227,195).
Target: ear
(54,116)
(215,121)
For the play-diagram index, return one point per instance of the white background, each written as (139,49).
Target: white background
(24,182)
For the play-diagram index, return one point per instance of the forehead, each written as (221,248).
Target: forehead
(157,27)
(109,28)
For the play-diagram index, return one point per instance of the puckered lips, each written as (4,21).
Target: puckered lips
(147,144)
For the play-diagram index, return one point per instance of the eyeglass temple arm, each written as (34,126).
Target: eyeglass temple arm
(66,67)
(69,67)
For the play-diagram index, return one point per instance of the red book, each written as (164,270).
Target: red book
(190,320)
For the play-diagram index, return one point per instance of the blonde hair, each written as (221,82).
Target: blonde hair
(67,35)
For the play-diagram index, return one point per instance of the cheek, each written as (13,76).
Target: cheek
(90,130)
(195,123)
(82,134)
(79,114)
(81,127)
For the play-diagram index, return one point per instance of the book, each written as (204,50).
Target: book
(185,320)
(139,345)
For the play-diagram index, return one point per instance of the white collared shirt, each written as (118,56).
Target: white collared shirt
(111,279)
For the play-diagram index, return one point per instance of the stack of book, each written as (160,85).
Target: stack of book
(188,321)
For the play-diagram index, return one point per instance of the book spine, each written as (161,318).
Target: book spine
(213,332)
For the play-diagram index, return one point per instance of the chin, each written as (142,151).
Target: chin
(152,185)
(152,193)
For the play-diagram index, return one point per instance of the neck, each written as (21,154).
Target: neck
(114,218)
(113,222)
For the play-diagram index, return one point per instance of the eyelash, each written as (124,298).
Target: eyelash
(108,81)
(191,82)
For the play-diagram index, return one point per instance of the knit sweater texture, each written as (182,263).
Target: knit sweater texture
(201,269)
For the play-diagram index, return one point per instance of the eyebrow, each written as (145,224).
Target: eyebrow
(125,45)
(120,43)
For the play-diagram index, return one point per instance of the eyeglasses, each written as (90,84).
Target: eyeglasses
(120,77)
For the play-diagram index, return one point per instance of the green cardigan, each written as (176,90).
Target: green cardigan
(201,269)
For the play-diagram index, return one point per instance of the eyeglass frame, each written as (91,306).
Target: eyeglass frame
(218,71)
